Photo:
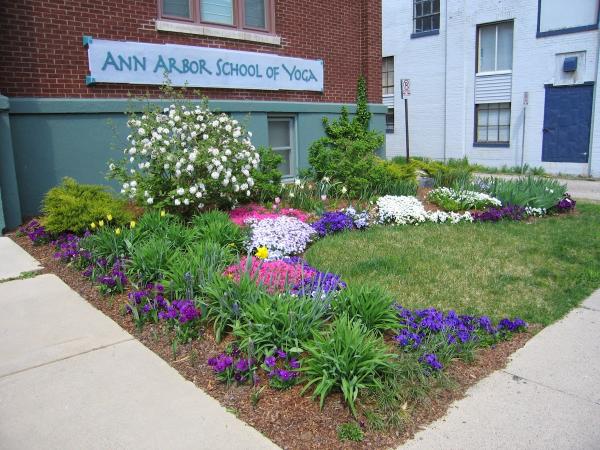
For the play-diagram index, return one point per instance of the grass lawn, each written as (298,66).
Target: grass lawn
(537,271)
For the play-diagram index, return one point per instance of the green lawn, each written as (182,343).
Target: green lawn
(537,271)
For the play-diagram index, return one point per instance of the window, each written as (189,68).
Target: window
(239,14)
(387,75)
(492,123)
(281,140)
(426,16)
(495,51)
(555,18)
(389,121)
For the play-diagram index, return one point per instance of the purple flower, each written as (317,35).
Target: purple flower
(431,360)
(242,365)
(270,361)
(281,353)
(294,363)
(333,222)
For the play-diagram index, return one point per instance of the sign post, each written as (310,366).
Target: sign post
(525,103)
(405,92)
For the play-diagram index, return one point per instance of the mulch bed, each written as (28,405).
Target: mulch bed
(288,419)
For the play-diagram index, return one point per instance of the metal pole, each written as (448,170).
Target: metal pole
(406,128)
(523,138)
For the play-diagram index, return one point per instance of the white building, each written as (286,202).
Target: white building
(498,81)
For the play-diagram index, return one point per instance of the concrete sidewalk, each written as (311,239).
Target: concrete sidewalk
(71,378)
(547,397)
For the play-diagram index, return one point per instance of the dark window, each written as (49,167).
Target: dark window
(387,75)
(426,15)
(241,14)
(492,123)
(389,121)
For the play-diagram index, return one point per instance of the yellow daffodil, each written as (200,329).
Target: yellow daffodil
(109,217)
(162,213)
(117,231)
(93,225)
(262,253)
(101,223)
(132,224)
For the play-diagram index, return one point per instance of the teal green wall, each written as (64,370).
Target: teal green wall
(10,208)
(53,138)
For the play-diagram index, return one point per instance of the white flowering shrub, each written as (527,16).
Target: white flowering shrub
(405,210)
(186,157)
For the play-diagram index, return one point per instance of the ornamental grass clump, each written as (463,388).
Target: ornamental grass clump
(370,304)
(461,200)
(535,192)
(185,158)
(347,357)
(281,321)
(283,236)
(216,227)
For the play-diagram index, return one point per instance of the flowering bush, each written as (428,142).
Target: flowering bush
(245,214)
(429,329)
(281,369)
(511,212)
(565,204)
(186,157)
(453,200)
(403,210)
(35,232)
(361,219)
(282,236)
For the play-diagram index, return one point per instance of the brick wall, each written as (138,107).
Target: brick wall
(41,52)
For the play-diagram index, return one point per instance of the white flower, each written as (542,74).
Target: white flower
(111,166)
(133,183)
(180,191)
(186,201)
(150,200)
(214,175)
(344,190)
(193,189)
(141,131)
(177,202)
(297,182)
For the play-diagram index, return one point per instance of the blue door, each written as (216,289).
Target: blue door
(567,123)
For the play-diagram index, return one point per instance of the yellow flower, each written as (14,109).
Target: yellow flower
(93,225)
(101,223)
(132,224)
(262,252)
(109,217)
(117,231)
(162,213)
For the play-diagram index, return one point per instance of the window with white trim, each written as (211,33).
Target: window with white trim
(387,75)
(426,16)
(281,140)
(495,47)
(492,123)
(389,121)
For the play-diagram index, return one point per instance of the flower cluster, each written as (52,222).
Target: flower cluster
(403,210)
(361,219)
(251,213)
(186,156)
(68,248)
(145,304)
(275,275)
(535,212)
(281,369)
(282,236)
(232,366)
(420,327)
(333,222)
(114,280)
(35,231)
(319,283)
(454,200)
(565,204)
(511,212)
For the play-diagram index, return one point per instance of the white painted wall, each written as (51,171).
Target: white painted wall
(442,71)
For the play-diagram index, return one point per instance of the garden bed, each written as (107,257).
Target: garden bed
(290,420)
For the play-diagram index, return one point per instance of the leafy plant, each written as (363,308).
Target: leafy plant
(350,431)
(282,321)
(73,207)
(149,259)
(225,300)
(529,191)
(215,226)
(267,177)
(107,244)
(347,357)
(370,304)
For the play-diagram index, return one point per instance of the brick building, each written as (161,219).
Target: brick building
(68,68)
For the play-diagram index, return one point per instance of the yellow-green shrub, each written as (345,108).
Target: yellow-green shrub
(73,206)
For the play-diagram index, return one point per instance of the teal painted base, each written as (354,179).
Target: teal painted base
(54,138)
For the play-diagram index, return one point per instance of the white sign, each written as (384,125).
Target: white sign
(140,63)
(405,88)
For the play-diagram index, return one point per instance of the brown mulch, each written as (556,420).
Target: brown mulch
(290,420)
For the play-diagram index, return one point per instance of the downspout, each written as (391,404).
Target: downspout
(445,73)
(589,168)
